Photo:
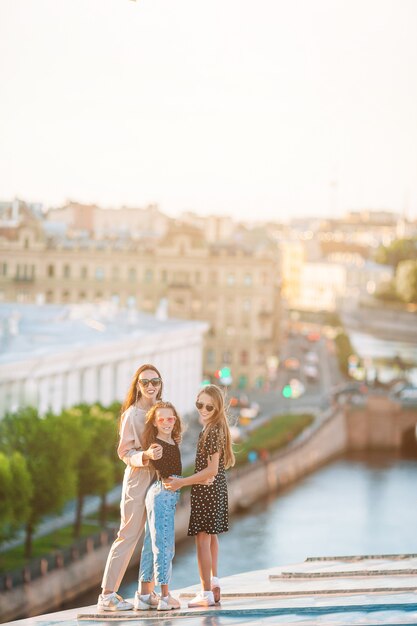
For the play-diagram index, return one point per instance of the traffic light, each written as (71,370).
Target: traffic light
(287,391)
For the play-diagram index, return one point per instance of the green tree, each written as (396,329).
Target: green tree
(95,472)
(49,449)
(6,497)
(344,351)
(399,250)
(406,281)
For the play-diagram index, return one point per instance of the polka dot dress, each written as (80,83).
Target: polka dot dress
(209,504)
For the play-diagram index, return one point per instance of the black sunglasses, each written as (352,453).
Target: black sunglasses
(145,382)
(201,405)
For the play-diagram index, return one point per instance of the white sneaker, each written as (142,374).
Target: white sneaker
(203,598)
(167,603)
(215,587)
(113,602)
(146,602)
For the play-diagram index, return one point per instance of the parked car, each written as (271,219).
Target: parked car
(238,401)
(312,357)
(292,364)
(311,372)
(251,411)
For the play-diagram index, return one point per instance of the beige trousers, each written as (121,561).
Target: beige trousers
(133,518)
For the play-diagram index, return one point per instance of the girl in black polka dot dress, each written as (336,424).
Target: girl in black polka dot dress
(209,504)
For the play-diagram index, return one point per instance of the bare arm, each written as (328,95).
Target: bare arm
(209,472)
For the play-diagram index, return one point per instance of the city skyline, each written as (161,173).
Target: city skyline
(296,110)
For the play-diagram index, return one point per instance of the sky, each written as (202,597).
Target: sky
(261,109)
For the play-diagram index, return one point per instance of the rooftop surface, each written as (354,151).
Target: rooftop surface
(338,591)
(30,330)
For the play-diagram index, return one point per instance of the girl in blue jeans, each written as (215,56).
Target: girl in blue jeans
(163,426)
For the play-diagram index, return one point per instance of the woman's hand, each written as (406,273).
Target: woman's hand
(154,452)
(172,483)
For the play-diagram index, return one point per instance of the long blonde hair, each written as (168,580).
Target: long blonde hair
(135,393)
(150,431)
(219,420)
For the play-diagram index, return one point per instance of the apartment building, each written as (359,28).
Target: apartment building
(234,288)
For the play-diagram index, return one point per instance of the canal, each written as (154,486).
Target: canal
(359,504)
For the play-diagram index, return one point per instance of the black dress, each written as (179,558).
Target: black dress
(209,503)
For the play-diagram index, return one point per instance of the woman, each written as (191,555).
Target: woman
(145,390)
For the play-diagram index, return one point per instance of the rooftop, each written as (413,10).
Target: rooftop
(338,591)
(29,330)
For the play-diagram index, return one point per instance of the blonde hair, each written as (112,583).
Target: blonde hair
(150,431)
(219,421)
(135,393)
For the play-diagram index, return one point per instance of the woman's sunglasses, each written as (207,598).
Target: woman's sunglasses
(201,405)
(171,419)
(145,382)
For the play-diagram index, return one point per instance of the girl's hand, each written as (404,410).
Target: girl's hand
(172,483)
(208,481)
(154,452)
(178,439)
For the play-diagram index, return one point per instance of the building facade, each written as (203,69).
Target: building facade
(53,356)
(234,288)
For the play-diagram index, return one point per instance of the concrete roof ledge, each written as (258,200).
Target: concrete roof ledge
(379,590)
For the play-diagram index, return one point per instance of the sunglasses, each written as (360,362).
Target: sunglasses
(145,382)
(171,419)
(201,405)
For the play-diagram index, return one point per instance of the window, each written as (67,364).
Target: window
(4,269)
(227,357)
(197,278)
(231,279)
(247,280)
(83,272)
(210,357)
(115,272)
(131,275)
(148,276)
(213,278)
(66,271)
(246,305)
(244,357)
(99,274)
(50,271)
(164,276)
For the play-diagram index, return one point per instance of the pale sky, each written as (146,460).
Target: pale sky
(247,108)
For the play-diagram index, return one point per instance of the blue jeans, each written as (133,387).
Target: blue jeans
(159,542)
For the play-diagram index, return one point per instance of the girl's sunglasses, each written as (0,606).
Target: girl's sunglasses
(171,419)
(201,405)
(145,382)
